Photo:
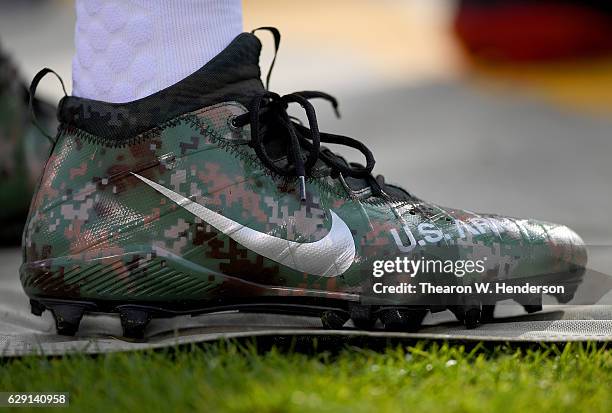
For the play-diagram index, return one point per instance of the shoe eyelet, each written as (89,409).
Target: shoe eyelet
(231,123)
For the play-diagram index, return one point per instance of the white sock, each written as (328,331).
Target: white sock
(129,49)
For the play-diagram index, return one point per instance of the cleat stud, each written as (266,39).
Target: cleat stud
(67,318)
(472,318)
(402,319)
(565,297)
(533,305)
(437,308)
(362,317)
(364,324)
(458,311)
(532,308)
(134,322)
(392,319)
(473,312)
(487,313)
(36,308)
(333,320)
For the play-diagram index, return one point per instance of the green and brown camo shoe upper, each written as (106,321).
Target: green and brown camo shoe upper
(207,196)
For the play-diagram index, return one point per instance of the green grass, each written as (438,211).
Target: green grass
(423,378)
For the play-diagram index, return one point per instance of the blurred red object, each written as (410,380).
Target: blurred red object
(532,30)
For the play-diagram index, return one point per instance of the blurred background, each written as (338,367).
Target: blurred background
(494,106)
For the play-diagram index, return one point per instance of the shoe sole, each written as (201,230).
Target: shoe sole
(57,285)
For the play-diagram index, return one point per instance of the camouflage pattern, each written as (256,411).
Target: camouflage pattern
(97,232)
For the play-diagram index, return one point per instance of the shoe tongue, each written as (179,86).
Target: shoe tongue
(232,75)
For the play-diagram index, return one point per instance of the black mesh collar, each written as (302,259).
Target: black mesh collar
(231,75)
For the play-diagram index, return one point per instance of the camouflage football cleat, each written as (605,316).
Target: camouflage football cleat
(23,151)
(208,196)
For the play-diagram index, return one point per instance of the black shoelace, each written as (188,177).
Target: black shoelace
(270,108)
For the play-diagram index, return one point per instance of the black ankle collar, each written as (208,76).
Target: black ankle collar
(232,75)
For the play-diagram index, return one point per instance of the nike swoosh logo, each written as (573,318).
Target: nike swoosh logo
(331,256)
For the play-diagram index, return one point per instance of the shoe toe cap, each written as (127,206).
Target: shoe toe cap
(555,248)
(566,245)
(531,248)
